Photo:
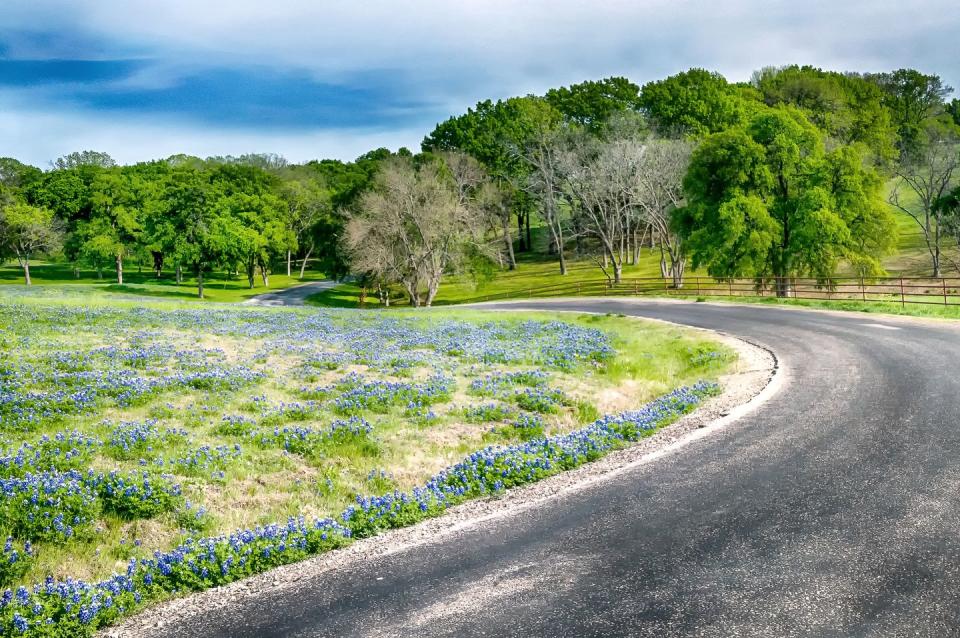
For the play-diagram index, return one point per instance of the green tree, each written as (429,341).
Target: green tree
(591,104)
(846,107)
(913,98)
(115,223)
(84,158)
(696,102)
(953,108)
(247,194)
(195,234)
(308,203)
(26,231)
(16,174)
(767,201)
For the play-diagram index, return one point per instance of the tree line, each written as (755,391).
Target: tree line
(778,177)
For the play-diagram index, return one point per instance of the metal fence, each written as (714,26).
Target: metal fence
(942,291)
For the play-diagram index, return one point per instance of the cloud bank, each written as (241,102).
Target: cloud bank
(142,79)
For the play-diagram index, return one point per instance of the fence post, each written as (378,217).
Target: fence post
(698,286)
(863,290)
(730,287)
(902,301)
(943,280)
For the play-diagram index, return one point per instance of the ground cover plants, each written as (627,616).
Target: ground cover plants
(150,449)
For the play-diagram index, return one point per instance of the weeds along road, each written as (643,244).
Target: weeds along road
(832,510)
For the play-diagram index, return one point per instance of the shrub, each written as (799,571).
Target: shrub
(137,494)
(15,560)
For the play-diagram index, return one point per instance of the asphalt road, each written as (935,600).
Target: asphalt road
(293,296)
(832,510)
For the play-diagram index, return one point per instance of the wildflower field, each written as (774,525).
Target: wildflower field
(150,449)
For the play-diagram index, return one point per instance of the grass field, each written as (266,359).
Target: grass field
(217,286)
(130,427)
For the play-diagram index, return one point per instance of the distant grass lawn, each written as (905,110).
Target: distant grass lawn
(530,275)
(218,287)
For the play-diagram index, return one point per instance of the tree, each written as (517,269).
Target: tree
(603,180)
(84,158)
(695,102)
(115,222)
(913,98)
(413,226)
(26,231)
(309,204)
(17,175)
(544,154)
(247,195)
(953,109)
(947,209)
(846,107)
(198,234)
(767,201)
(663,165)
(495,133)
(928,173)
(591,104)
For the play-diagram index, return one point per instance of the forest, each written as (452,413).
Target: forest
(794,173)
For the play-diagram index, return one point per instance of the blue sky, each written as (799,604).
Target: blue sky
(308,79)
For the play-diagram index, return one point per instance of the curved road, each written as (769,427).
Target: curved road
(832,510)
(292,296)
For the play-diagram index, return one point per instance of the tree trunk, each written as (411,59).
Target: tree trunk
(251,272)
(303,264)
(179,274)
(264,275)
(120,270)
(520,245)
(432,286)
(508,240)
(289,263)
(412,291)
(676,271)
(200,281)
(782,286)
(563,258)
(617,271)
(362,296)
(158,262)
(936,251)
(26,272)
(529,240)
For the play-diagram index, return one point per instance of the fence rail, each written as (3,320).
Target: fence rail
(942,291)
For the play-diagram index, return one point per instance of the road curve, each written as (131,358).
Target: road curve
(832,510)
(292,296)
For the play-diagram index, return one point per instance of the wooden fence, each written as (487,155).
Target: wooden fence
(943,291)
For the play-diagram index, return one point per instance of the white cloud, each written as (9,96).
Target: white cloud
(455,53)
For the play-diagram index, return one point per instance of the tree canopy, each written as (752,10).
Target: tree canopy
(765,200)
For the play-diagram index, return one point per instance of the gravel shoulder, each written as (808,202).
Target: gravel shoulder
(757,376)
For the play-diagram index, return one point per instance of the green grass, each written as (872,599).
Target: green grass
(218,286)
(69,341)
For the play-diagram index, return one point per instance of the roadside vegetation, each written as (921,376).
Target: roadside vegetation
(155,447)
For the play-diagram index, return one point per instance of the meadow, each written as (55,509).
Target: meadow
(152,448)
